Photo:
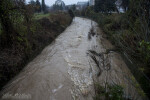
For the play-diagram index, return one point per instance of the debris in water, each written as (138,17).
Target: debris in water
(55,90)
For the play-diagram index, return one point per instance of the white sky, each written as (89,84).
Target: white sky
(67,2)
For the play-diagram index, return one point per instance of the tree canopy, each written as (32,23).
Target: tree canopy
(105,6)
(38,6)
(125,4)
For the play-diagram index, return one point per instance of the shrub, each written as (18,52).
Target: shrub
(114,92)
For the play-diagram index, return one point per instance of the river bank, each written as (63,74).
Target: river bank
(44,30)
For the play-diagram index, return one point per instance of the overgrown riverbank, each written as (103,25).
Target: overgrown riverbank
(29,43)
(126,32)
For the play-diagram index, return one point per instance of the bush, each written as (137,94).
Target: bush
(114,92)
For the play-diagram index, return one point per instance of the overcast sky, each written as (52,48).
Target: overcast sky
(67,2)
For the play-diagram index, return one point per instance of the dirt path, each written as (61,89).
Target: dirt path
(63,70)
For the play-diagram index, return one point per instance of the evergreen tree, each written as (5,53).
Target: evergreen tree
(109,6)
(104,6)
(125,4)
(71,13)
(99,5)
(38,6)
(73,7)
(43,6)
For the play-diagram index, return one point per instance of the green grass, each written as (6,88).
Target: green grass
(38,16)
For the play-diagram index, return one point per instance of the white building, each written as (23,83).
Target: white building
(91,2)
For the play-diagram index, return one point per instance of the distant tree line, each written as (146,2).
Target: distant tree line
(104,6)
(38,7)
(57,7)
(108,6)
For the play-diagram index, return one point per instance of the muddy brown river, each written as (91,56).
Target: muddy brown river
(65,71)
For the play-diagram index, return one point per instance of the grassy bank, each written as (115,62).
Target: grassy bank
(38,16)
(44,28)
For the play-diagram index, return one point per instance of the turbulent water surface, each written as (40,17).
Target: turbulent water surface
(64,70)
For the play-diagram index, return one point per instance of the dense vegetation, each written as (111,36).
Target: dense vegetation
(104,6)
(24,33)
(129,31)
